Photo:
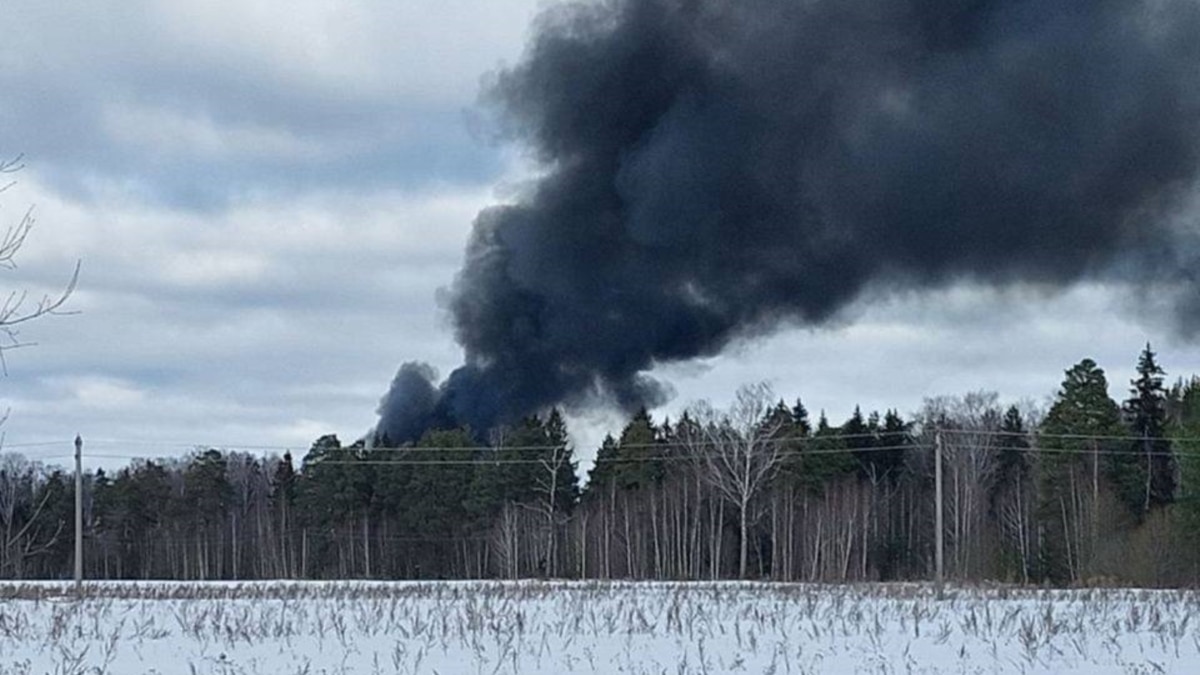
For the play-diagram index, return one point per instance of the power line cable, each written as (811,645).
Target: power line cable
(492,455)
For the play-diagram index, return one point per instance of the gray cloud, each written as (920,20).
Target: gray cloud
(179,104)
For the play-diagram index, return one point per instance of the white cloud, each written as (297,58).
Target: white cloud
(424,48)
(159,132)
(212,268)
(102,393)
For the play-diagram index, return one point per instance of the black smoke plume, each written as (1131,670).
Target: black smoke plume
(712,169)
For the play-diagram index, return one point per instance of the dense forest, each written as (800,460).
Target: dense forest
(1087,491)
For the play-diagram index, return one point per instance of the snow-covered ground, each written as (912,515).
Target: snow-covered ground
(591,627)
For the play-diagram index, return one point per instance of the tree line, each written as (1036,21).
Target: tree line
(1087,491)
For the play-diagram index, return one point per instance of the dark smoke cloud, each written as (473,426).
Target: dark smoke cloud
(713,169)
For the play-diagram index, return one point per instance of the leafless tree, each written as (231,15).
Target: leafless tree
(18,307)
(20,538)
(969,425)
(737,452)
(551,464)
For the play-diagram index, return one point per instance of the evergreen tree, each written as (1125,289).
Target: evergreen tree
(324,499)
(1145,475)
(895,439)
(785,432)
(559,456)
(53,525)
(435,496)
(1013,452)
(525,456)
(638,447)
(284,481)
(800,418)
(1081,413)
(283,500)
(855,434)
(781,417)
(520,451)
(604,469)
(1186,430)
(1077,431)
(823,458)
(331,489)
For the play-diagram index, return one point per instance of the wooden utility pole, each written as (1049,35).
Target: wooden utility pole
(939,535)
(78,515)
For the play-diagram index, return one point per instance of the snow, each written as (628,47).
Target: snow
(591,627)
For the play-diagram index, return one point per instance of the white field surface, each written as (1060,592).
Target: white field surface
(590,627)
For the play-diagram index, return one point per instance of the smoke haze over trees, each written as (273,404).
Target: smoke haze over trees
(712,170)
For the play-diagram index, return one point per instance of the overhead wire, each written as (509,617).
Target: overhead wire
(785,439)
(684,450)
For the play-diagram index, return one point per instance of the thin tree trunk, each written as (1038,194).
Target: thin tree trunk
(743,544)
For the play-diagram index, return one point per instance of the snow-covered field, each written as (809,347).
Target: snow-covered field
(591,627)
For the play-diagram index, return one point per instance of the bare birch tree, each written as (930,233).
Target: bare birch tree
(970,425)
(737,452)
(20,508)
(549,487)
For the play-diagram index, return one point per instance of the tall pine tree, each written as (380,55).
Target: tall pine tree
(1013,454)
(1077,431)
(1186,430)
(1145,474)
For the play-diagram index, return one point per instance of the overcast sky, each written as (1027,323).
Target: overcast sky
(267,196)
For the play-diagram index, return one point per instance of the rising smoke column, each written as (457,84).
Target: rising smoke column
(716,168)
